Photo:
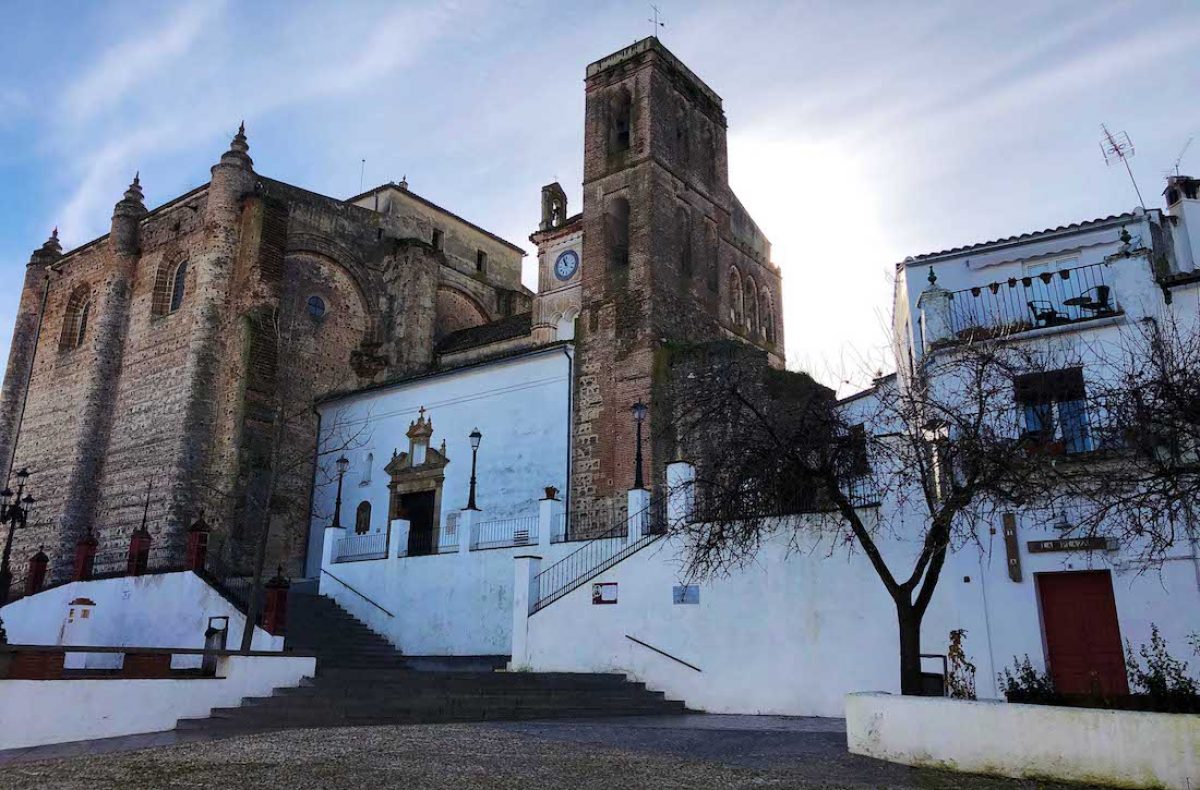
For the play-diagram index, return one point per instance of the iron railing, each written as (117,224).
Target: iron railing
(448,535)
(597,555)
(558,528)
(1019,304)
(503,533)
(352,548)
(1071,427)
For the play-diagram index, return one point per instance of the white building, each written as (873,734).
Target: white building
(797,629)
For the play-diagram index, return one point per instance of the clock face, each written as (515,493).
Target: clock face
(566,265)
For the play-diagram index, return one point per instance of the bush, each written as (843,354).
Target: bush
(1026,684)
(1164,679)
(961,682)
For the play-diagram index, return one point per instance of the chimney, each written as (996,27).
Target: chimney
(1183,204)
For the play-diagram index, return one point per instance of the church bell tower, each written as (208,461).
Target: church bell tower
(655,200)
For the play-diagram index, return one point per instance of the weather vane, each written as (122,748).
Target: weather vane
(655,21)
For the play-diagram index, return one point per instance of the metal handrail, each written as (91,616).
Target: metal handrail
(356,592)
(594,557)
(663,653)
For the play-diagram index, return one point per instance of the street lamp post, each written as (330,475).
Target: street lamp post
(343,464)
(16,515)
(476,436)
(639,415)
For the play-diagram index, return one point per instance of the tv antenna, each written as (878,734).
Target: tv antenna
(1179,159)
(1117,147)
(655,21)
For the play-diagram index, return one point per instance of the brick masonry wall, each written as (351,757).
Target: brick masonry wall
(185,401)
(672,289)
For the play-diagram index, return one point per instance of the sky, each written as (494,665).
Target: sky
(859,132)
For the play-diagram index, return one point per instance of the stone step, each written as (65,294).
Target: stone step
(244,719)
(427,697)
(379,681)
(362,679)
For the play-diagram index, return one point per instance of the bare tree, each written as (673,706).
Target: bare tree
(1140,485)
(776,453)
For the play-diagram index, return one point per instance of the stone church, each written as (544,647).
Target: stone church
(169,369)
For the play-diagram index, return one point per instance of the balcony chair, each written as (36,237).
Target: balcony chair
(1045,314)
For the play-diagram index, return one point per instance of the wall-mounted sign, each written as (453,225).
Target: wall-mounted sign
(604,592)
(685,593)
(1012,549)
(1070,544)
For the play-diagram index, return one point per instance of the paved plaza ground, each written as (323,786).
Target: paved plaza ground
(692,752)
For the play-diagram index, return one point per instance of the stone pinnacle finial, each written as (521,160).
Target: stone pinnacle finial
(132,203)
(239,150)
(52,244)
(932,277)
(49,252)
(134,193)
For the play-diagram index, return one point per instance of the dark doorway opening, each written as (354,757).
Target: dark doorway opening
(418,509)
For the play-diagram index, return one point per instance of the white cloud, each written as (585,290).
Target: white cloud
(138,58)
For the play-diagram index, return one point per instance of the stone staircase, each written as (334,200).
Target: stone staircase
(362,680)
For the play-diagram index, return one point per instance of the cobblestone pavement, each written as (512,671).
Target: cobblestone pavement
(687,752)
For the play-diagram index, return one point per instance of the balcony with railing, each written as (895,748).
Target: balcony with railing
(1032,301)
(353,548)
(504,533)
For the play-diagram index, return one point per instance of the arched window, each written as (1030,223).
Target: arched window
(178,284)
(566,324)
(170,287)
(683,147)
(620,107)
(683,224)
(712,251)
(362,518)
(709,152)
(751,303)
(735,297)
(767,314)
(366,474)
(75,318)
(617,230)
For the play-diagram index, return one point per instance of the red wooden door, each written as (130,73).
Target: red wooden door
(1083,639)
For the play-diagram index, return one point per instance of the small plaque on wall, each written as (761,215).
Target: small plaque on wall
(604,592)
(686,593)
(1071,544)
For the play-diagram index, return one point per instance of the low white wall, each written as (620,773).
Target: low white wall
(38,712)
(791,634)
(155,610)
(801,626)
(456,604)
(1121,748)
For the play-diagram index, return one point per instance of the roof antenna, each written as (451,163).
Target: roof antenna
(1182,151)
(1118,147)
(362,172)
(655,22)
